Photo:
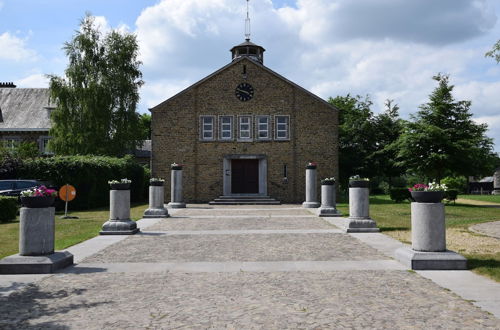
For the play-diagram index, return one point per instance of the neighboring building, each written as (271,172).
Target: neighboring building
(24,115)
(244,130)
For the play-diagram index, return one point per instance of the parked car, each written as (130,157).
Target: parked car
(14,187)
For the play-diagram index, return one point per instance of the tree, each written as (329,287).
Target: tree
(443,140)
(145,124)
(494,52)
(97,99)
(356,136)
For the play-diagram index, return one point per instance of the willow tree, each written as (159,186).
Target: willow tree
(96,99)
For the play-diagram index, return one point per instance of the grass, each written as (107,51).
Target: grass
(482,198)
(68,231)
(482,252)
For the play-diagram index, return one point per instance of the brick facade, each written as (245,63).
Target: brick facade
(176,133)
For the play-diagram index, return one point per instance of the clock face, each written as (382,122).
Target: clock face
(244,92)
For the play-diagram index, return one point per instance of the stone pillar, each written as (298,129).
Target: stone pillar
(311,193)
(119,222)
(36,231)
(36,245)
(328,201)
(428,241)
(496,182)
(156,199)
(359,208)
(428,231)
(176,188)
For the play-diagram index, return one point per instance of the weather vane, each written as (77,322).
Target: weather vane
(247,24)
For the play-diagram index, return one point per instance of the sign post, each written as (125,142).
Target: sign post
(67,193)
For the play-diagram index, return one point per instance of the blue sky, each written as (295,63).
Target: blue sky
(384,48)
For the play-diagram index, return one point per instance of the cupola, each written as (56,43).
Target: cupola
(249,49)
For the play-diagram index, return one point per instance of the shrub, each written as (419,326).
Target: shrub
(400,194)
(458,183)
(89,175)
(451,195)
(8,207)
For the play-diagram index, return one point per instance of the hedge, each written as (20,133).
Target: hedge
(451,195)
(399,194)
(89,175)
(8,208)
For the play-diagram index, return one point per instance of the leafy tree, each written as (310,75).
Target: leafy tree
(494,52)
(145,124)
(356,136)
(443,140)
(97,99)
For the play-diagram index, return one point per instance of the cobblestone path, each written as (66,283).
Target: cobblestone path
(239,268)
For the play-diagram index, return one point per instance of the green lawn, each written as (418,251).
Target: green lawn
(68,231)
(483,253)
(483,198)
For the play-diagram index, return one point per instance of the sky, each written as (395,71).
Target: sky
(387,49)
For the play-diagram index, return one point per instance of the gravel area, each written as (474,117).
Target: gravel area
(186,223)
(488,228)
(306,300)
(247,247)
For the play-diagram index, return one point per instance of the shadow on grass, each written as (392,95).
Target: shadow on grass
(479,262)
(394,228)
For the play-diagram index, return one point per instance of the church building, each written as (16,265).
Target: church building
(244,132)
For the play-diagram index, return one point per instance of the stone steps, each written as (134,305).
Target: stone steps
(244,200)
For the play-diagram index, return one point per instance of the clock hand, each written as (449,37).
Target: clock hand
(242,91)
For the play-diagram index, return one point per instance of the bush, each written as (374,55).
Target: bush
(400,194)
(89,175)
(8,207)
(451,195)
(458,183)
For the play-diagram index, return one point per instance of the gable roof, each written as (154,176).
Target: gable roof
(246,58)
(25,109)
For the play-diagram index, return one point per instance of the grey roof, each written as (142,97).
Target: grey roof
(246,43)
(25,109)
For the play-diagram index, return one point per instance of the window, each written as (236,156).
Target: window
(226,128)
(263,128)
(282,131)
(11,143)
(44,141)
(245,128)
(207,128)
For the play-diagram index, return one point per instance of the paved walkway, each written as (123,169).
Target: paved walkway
(239,268)
(488,228)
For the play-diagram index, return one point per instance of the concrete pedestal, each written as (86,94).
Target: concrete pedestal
(311,194)
(119,222)
(36,245)
(428,236)
(328,204)
(176,190)
(156,200)
(496,182)
(359,212)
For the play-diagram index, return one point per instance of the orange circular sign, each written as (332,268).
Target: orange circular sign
(67,193)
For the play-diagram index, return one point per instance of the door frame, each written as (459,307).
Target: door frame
(226,174)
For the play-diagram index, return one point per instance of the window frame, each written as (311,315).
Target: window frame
(276,130)
(202,128)
(42,146)
(250,128)
(11,142)
(231,117)
(258,130)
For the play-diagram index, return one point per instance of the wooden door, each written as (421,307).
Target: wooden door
(245,176)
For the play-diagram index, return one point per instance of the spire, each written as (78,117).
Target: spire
(247,24)
(248,49)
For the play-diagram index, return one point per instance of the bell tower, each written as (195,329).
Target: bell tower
(247,48)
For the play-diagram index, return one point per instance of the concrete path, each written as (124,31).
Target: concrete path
(488,228)
(244,268)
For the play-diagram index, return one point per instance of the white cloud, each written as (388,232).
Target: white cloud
(14,49)
(388,49)
(37,80)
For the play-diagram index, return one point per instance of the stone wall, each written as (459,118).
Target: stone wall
(175,130)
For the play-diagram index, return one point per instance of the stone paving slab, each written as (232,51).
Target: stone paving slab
(175,223)
(250,212)
(158,247)
(311,300)
(488,228)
